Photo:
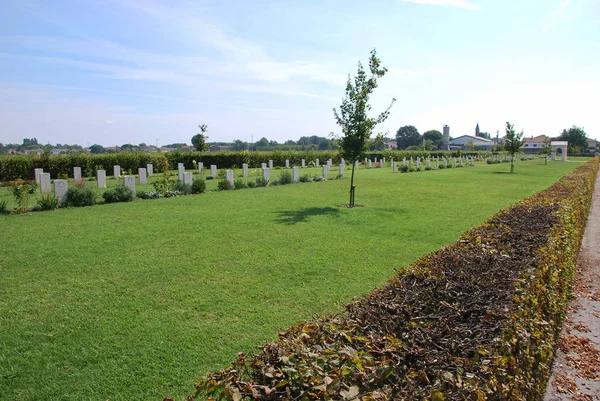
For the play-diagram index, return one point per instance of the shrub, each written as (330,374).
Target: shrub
(478,319)
(164,184)
(251,184)
(224,185)
(404,168)
(80,195)
(261,182)
(48,202)
(3,207)
(181,188)
(412,169)
(22,190)
(305,178)
(198,186)
(427,168)
(120,193)
(441,167)
(285,177)
(148,195)
(210,177)
(239,183)
(318,178)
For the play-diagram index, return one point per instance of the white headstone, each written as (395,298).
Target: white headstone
(266,174)
(188,178)
(325,170)
(365,160)
(369,163)
(270,164)
(287,163)
(343,161)
(60,189)
(180,171)
(428,163)
(77,174)
(342,166)
(116,172)
(129,182)
(213,171)
(317,163)
(303,163)
(45,187)
(229,176)
(437,164)
(36,173)
(445,162)
(404,161)
(329,162)
(101,178)
(454,162)
(356,165)
(245,170)
(383,162)
(263,165)
(394,168)
(200,167)
(294,174)
(142,175)
(418,162)
(150,169)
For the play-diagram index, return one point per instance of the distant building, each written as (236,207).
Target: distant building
(218,148)
(390,144)
(446,138)
(534,144)
(592,145)
(466,141)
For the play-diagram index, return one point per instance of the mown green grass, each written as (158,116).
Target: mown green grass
(136,300)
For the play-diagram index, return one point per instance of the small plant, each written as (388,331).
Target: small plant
(210,177)
(404,168)
(285,177)
(411,169)
(238,183)
(148,195)
(198,186)
(118,194)
(251,184)
(221,174)
(183,189)
(339,177)
(318,178)
(427,168)
(261,182)
(224,185)
(164,184)
(305,178)
(81,195)
(441,167)
(48,202)
(3,207)
(22,191)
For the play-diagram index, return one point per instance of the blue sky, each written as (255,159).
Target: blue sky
(115,72)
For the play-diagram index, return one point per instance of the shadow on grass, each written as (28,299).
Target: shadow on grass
(502,172)
(301,215)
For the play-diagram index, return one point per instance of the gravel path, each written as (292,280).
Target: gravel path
(576,371)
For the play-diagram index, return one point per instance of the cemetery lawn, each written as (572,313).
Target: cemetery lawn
(137,300)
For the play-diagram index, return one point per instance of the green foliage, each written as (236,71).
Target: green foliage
(437,330)
(148,195)
(181,189)
(165,184)
(199,141)
(22,190)
(224,185)
(408,136)
(285,177)
(576,137)
(22,167)
(305,178)
(251,184)
(239,183)
(512,144)
(80,195)
(404,168)
(4,207)
(261,182)
(48,202)
(357,127)
(198,185)
(432,135)
(119,194)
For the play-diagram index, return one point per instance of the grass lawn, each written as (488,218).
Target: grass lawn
(137,300)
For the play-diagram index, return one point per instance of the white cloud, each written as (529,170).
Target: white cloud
(464,4)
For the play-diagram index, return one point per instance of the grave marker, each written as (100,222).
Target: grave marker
(60,189)
(77,174)
(142,175)
(45,183)
(294,174)
(200,167)
(180,171)
(101,178)
(229,176)
(325,170)
(245,170)
(342,168)
(150,169)
(188,178)
(303,163)
(37,173)
(213,171)
(287,163)
(129,182)
(266,174)
(116,172)
(270,164)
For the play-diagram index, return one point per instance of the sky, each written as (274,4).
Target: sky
(111,72)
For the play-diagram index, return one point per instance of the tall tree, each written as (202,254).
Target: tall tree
(512,143)
(96,149)
(356,125)
(238,145)
(576,137)
(377,143)
(432,135)
(199,140)
(408,136)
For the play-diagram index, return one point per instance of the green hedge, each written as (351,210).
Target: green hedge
(255,159)
(478,319)
(13,167)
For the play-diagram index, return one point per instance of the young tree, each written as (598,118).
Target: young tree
(199,140)
(356,125)
(512,144)
(546,150)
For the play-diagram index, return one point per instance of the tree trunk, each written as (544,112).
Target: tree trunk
(352,187)
(512,163)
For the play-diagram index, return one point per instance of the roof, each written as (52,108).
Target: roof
(473,138)
(539,138)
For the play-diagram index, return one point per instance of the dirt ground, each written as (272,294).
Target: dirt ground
(576,370)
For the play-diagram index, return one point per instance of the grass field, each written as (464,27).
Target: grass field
(136,300)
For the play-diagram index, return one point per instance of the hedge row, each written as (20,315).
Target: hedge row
(13,167)
(255,159)
(478,319)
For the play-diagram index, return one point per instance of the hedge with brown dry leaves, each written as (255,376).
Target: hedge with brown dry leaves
(478,319)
